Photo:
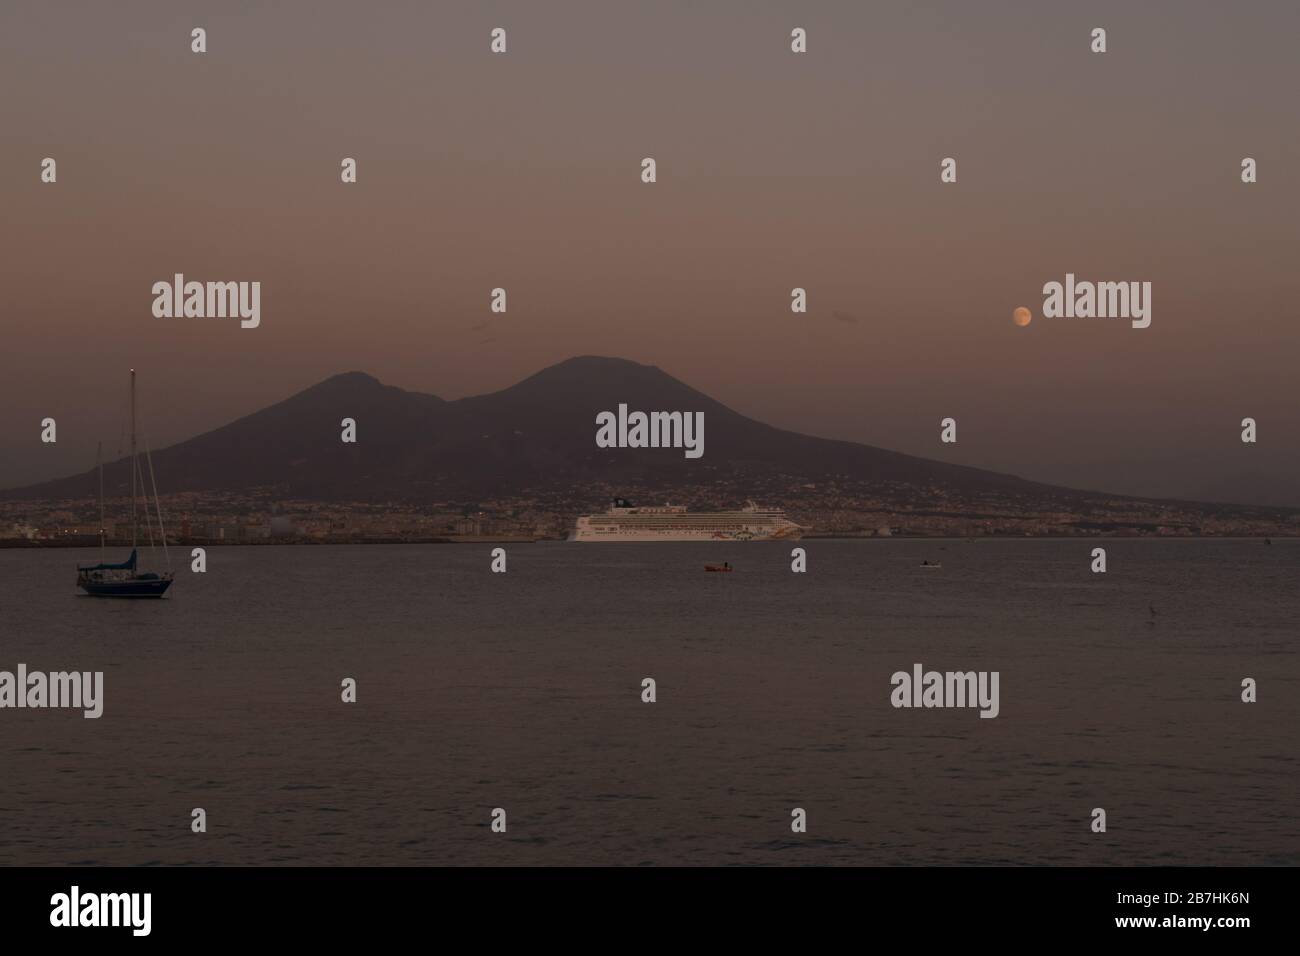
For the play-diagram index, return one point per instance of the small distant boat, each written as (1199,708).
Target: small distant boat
(931,567)
(125,580)
(725,567)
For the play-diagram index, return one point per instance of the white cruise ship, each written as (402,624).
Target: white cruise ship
(624,522)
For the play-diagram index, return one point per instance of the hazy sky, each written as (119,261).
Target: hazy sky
(775,170)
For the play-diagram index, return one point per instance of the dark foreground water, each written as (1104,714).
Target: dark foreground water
(523,691)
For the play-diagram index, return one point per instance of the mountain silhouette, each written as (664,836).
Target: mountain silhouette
(537,434)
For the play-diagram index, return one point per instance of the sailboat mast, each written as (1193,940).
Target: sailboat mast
(133,528)
(99,460)
(162,532)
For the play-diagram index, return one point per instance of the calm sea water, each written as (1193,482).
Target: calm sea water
(522,690)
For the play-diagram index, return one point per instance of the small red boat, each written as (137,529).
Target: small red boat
(717,567)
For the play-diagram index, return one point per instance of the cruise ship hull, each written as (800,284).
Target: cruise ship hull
(664,524)
(632,536)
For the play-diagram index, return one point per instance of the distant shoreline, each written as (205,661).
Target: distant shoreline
(25,544)
(90,542)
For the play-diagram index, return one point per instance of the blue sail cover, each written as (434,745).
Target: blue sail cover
(127,565)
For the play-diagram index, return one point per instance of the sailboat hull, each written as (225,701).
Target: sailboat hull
(131,588)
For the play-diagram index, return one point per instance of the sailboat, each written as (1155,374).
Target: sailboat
(125,580)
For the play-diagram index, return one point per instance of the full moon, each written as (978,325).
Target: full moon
(1022,316)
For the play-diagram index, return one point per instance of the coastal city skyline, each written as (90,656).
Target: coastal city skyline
(310,498)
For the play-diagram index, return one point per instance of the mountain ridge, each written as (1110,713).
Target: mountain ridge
(535,434)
